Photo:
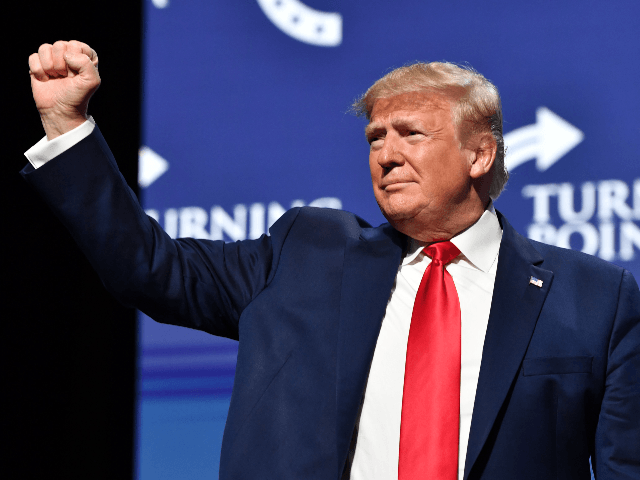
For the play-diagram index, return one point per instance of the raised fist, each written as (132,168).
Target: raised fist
(64,76)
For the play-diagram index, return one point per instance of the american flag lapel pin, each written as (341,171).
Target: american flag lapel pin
(536,282)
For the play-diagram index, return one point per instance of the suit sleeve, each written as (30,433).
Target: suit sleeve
(200,284)
(617,441)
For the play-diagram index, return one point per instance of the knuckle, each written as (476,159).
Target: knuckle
(74,46)
(45,47)
(34,65)
(59,44)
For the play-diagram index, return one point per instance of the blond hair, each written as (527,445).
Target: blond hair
(475,103)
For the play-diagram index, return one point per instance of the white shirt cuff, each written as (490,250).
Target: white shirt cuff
(45,150)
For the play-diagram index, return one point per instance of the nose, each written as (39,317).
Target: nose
(390,155)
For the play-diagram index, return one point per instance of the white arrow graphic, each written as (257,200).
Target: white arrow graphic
(548,140)
(150,166)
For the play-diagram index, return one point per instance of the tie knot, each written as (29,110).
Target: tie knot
(442,252)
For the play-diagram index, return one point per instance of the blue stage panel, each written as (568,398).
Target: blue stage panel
(246,115)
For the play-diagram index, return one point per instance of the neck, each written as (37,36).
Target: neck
(445,227)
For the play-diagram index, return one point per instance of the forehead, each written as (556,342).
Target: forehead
(421,105)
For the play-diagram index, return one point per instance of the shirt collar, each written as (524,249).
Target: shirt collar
(479,244)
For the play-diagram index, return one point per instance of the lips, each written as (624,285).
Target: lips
(395,184)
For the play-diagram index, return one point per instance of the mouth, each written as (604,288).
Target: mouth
(392,186)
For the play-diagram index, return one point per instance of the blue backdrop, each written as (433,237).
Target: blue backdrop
(246,115)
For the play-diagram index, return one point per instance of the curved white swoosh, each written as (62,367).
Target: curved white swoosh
(304,23)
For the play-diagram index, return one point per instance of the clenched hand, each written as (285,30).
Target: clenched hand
(64,76)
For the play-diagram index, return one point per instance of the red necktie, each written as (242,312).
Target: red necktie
(430,420)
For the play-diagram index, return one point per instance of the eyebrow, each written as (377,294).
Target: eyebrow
(372,129)
(398,124)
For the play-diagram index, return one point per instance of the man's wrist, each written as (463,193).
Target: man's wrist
(56,124)
(45,150)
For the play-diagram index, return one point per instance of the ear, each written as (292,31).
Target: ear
(484,148)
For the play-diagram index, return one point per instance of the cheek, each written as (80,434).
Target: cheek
(375,169)
(444,175)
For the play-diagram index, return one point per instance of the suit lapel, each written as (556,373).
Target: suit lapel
(515,309)
(370,267)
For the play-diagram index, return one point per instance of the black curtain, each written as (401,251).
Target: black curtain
(68,346)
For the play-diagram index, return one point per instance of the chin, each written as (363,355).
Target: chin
(397,216)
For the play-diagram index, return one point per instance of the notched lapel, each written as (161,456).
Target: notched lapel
(370,266)
(515,309)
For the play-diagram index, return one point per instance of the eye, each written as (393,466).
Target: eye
(375,141)
(374,137)
(414,136)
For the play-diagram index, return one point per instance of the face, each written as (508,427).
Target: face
(421,176)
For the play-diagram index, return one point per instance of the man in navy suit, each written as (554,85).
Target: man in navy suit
(550,338)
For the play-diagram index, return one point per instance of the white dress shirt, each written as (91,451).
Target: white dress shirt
(473,272)
(45,149)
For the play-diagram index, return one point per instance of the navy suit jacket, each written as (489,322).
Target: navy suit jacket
(559,379)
